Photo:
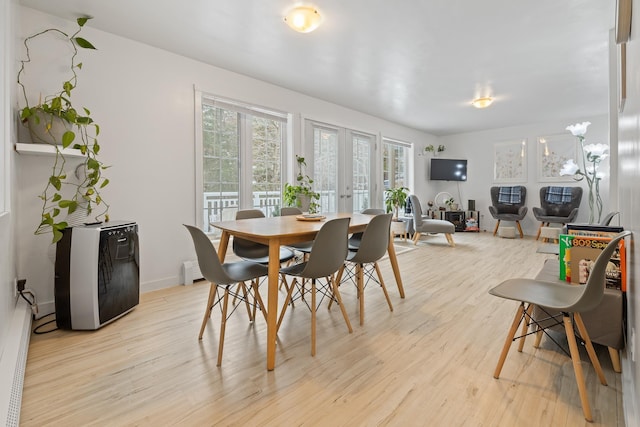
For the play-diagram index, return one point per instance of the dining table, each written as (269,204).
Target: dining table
(285,230)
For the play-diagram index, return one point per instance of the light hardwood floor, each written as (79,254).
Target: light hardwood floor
(429,362)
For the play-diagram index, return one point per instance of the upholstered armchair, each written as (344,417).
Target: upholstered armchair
(508,204)
(558,205)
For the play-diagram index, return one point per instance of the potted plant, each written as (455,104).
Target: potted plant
(453,206)
(301,195)
(394,198)
(56,121)
(435,150)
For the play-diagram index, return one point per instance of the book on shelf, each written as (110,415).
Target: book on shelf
(578,253)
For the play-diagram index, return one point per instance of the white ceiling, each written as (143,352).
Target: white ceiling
(415,62)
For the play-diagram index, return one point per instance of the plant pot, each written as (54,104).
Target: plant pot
(46,128)
(304,201)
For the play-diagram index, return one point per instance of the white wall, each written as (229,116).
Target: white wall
(143,99)
(478,149)
(629,199)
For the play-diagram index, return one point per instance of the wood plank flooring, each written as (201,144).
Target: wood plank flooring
(429,362)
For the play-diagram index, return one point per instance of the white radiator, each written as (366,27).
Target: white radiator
(13,362)
(190,272)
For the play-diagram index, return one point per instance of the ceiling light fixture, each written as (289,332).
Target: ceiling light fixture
(303,19)
(482,102)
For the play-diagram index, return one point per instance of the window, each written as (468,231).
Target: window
(240,156)
(396,163)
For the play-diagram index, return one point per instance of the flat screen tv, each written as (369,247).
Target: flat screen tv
(448,170)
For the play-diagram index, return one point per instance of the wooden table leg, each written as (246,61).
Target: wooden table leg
(223,246)
(272,302)
(394,265)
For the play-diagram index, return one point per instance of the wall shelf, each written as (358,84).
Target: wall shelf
(45,150)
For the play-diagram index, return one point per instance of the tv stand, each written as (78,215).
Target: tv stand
(458,218)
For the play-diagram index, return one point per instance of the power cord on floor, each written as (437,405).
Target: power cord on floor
(37,330)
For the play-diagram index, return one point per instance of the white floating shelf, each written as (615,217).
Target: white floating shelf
(45,150)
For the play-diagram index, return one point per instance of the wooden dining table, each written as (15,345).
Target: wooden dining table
(284,230)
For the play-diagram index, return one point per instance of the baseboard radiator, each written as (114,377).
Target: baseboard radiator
(13,362)
(191,272)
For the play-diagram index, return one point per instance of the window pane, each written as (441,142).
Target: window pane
(268,136)
(395,164)
(361,172)
(325,165)
(220,162)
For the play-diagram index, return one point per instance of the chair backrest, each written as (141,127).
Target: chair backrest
(329,249)
(372,211)
(375,239)
(290,210)
(208,260)
(508,208)
(594,288)
(246,248)
(416,210)
(607,219)
(560,209)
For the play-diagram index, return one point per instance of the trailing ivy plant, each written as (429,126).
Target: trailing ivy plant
(80,132)
(293,194)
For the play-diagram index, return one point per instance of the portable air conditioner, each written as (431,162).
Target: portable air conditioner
(97,274)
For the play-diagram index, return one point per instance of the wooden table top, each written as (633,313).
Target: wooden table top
(287,227)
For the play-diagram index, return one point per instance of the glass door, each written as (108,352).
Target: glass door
(342,167)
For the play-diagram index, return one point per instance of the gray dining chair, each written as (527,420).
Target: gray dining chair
(570,300)
(253,251)
(354,240)
(303,247)
(225,276)
(373,246)
(328,253)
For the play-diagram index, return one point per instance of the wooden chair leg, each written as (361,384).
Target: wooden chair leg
(313,317)
(360,283)
(507,342)
(450,239)
(207,313)
(577,367)
(577,318)
(525,327)
(286,302)
(539,230)
(615,359)
(416,237)
(223,324)
(336,293)
(258,299)
(539,334)
(384,288)
(495,230)
(520,229)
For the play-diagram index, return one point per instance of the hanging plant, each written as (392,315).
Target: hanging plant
(56,121)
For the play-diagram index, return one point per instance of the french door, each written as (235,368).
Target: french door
(343,166)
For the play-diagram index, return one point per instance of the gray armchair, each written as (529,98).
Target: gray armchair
(508,204)
(558,205)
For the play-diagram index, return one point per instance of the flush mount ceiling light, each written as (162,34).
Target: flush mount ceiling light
(303,19)
(482,102)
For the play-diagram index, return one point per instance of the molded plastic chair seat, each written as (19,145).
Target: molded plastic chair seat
(570,300)
(226,275)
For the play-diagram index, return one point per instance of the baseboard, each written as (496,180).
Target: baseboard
(13,363)
(629,398)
